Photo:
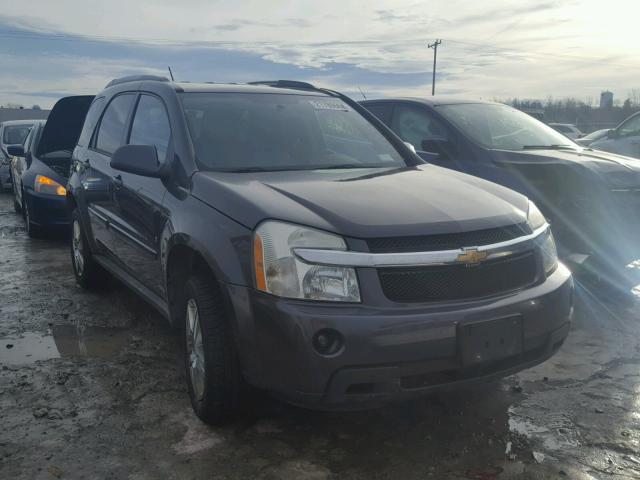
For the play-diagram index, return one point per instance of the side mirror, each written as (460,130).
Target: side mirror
(613,133)
(137,159)
(16,151)
(410,146)
(441,146)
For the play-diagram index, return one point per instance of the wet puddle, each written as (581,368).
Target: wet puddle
(63,341)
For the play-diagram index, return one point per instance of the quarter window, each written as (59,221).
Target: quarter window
(111,133)
(151,125)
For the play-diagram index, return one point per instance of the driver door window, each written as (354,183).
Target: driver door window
(151,126)
(631,128)
(416,126)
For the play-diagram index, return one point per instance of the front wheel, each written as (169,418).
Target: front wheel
(88,273)
(33,230)
(213,374)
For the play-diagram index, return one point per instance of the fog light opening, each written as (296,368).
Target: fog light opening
(328,342)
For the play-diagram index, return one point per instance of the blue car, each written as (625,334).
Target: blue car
(41,166)
(592,198)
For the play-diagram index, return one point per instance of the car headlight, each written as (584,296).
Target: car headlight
(549,254)
(535,218)
(279,272)
(51,187)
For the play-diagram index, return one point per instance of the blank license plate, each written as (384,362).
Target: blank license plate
(490,340)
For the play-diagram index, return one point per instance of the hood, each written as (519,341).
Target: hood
(364,203)
(64,124)
(615,170)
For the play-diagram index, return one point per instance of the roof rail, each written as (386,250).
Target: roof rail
(136,78)
(285,84)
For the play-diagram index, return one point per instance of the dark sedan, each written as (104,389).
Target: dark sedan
(40,167)
(591,197)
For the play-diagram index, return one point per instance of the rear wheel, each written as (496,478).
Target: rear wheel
(88,273)
(213,374)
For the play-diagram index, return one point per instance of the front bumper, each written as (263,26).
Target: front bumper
(47,210)
(390,352)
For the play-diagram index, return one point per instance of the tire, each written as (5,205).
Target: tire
(212,369)
(33,230)
(89,274)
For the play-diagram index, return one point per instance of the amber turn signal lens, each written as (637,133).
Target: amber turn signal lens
(258,263)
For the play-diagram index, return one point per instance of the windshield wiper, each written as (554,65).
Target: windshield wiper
(253,169)
(346,166)
(548,147)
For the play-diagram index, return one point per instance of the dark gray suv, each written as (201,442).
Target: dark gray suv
(304,249)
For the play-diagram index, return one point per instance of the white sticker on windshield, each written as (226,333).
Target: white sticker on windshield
(328,105)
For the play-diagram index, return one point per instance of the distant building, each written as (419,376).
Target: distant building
(606,100)
(22,114)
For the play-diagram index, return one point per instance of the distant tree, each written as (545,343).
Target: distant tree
(634,96)
(13,105)
(36,107)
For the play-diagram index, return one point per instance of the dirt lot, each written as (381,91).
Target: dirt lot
(92,386)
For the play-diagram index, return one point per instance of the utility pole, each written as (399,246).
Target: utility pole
(434,45)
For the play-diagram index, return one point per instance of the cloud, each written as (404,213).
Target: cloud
(496,47)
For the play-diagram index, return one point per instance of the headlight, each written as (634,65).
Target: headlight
(535,217)
(549,254)
(46,185)
(279,272)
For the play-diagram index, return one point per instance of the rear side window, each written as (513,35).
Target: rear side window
(90,121)
(111,133)
(151,125)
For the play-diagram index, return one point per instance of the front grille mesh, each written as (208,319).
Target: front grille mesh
(457,282)
(448,241)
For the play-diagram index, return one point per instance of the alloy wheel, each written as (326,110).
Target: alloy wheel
(78,255)
(195,349)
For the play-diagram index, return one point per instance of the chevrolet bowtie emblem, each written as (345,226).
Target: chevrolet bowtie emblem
(472,256)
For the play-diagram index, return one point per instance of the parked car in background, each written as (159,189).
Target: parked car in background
(623,140)
(568,130)
(587,140)
(590,197)
(304,249)
(40,167)
(12,132)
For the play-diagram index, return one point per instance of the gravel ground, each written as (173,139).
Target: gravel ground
(92,386)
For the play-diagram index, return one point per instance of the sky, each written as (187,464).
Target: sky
(493,49)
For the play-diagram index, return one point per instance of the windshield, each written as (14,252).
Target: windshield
(236,132)
(15,134)
(502,127)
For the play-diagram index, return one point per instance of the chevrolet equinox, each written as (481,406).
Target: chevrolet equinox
(304,249)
